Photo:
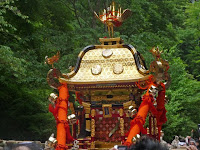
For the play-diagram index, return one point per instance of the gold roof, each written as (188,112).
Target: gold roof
(107,64)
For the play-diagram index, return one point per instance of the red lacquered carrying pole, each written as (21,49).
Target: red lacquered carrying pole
(62,117)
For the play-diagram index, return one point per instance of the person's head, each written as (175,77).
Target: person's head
(21,148)
(176,138)
(24,146)
(192,142)
(147,143)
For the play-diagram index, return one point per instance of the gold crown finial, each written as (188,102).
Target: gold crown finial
(113,18)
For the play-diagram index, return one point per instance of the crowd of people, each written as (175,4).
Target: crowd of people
(142,143)
(147,143)
(188,142)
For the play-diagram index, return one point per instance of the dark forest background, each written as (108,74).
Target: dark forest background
(32,29)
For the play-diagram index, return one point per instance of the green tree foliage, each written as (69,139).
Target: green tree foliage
(184,102)
(189,36)
(32,29)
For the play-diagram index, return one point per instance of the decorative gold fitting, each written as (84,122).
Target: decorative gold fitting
(147,130)
(51,141)
(122,126)
(126,105)
(121,112)
(71,119)
(92,146)
(92,128)
(137,137)
(156,130)
(132,111)
(53,96)
(134,140)
(96,70)
(107,53)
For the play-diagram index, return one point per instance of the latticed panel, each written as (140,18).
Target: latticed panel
(106,125)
